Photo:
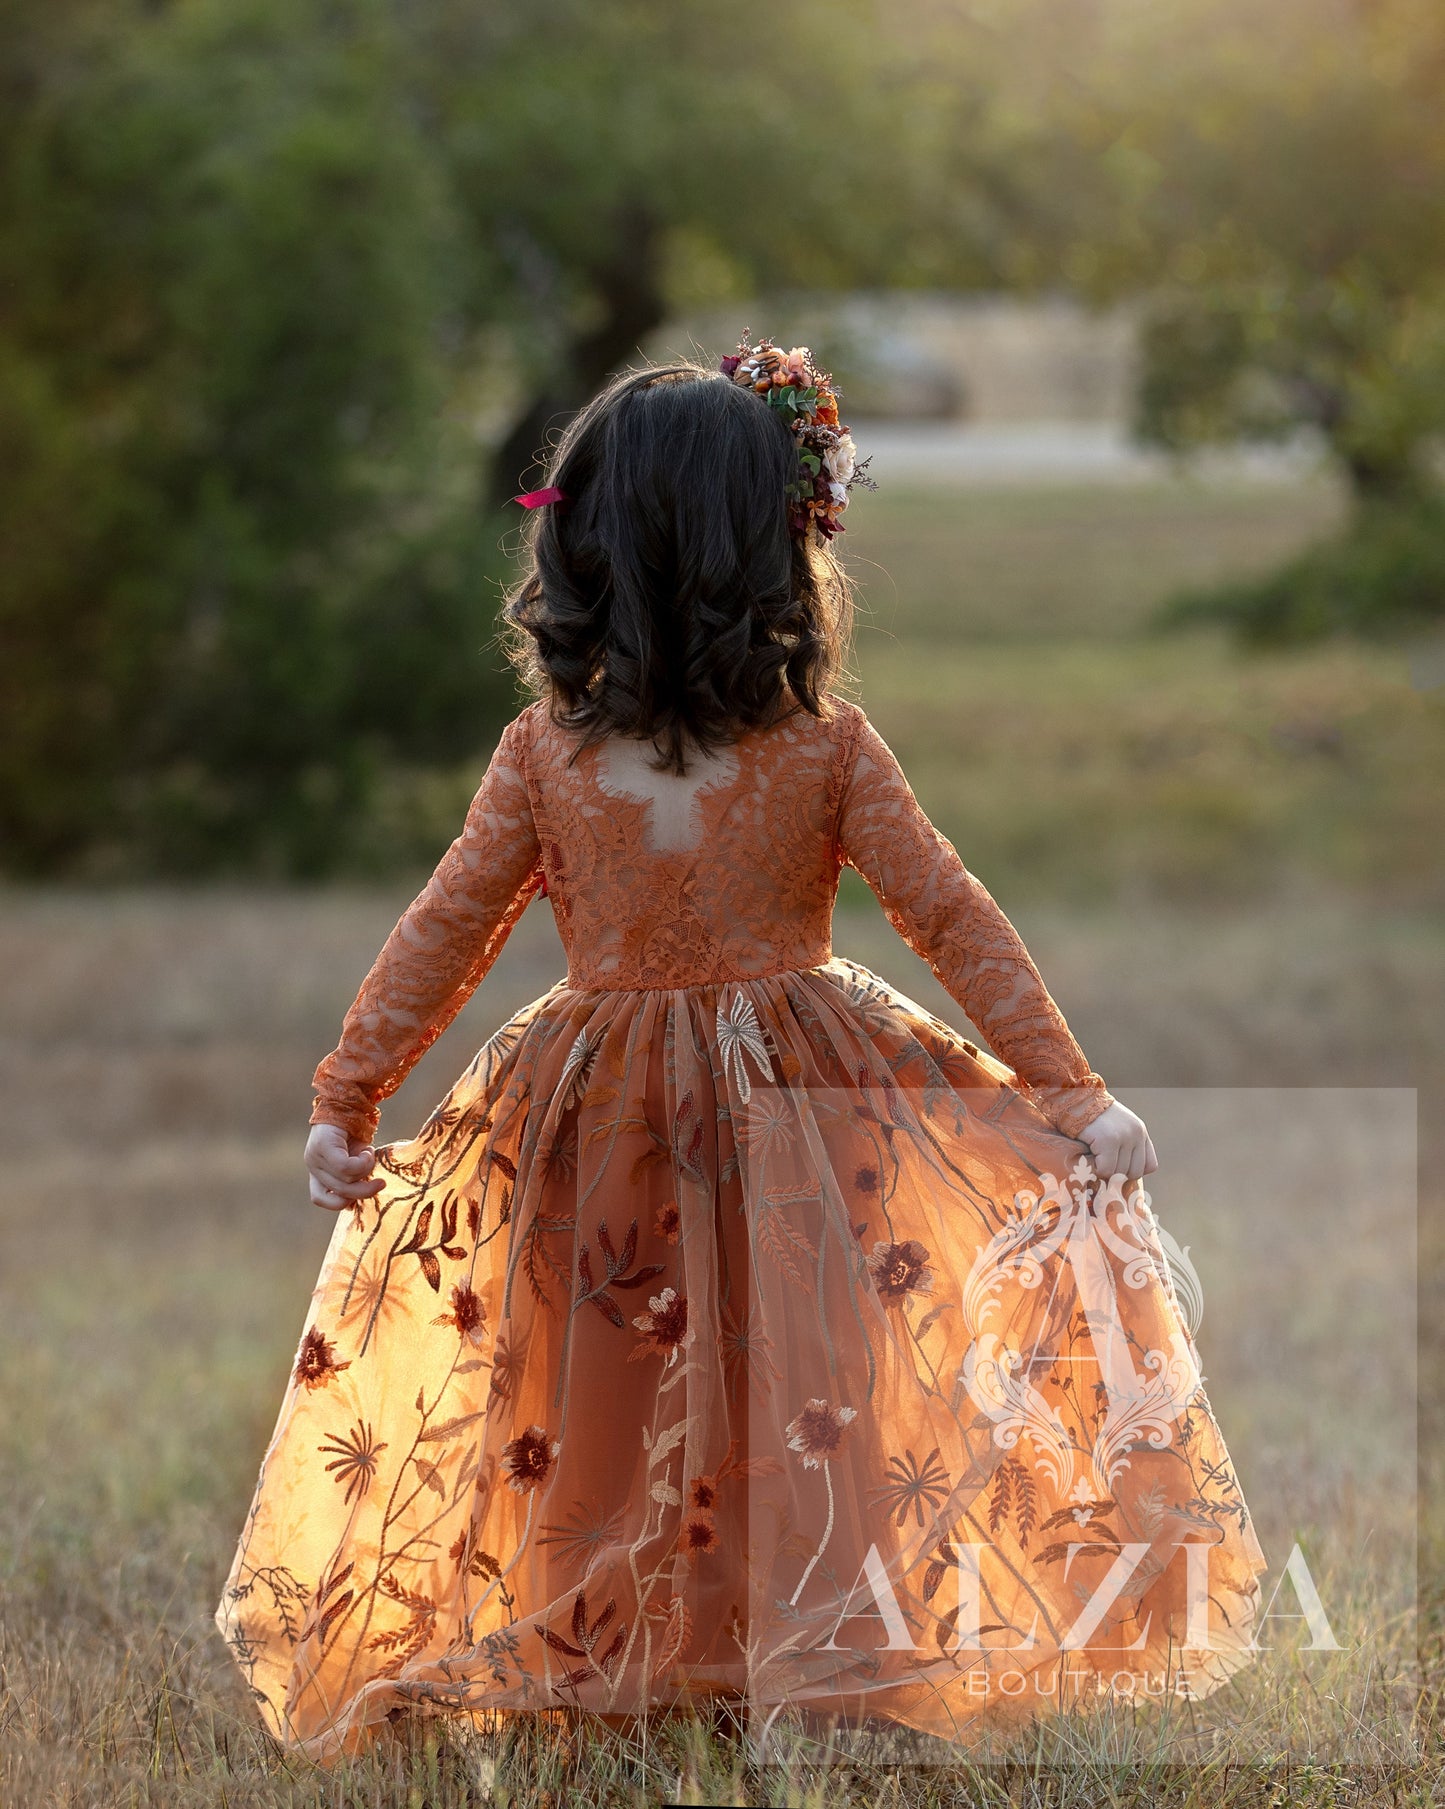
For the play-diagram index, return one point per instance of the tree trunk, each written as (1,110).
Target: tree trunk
(629,285)
(1382,479)
(1377,475)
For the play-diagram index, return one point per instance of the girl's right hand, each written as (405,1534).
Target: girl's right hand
(339,1167)
(1120,1143)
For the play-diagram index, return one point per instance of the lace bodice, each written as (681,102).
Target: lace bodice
(727,873)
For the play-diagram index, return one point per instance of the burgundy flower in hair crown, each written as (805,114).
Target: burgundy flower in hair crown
(828,462)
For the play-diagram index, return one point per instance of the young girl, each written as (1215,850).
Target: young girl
(734,1327)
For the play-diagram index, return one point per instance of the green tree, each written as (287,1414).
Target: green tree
(1279,209)
(261,264)
(612,158)
(1267,187)
(230,280)
(261,259)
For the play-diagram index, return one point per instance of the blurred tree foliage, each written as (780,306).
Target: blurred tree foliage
(234,573)
(1277,203)
(262,263)
(267,266)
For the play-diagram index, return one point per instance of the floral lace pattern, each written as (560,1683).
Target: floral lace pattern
(746,889)
(950,918)
(440,951)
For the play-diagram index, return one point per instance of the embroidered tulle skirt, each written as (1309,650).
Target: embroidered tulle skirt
(757,1339)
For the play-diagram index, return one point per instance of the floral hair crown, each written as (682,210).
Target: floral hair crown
(828,463)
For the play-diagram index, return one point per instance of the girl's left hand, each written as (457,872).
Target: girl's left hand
(340,1169)
(1120,1143)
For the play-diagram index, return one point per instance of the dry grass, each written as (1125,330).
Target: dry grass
(1070,753)
(157,1251)
(157,1256)
(1064,561)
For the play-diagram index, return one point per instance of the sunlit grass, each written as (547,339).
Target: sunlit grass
(1060,561)
(1069,752)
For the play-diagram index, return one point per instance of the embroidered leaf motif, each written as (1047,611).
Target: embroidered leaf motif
(330,1610)
(779,1238)
(1086,1548)
(536,1257)
(666,1441)
(928,1318)
(999,1500)
(648,1158)
(1025,1502)
(449,1428)
(449,1245)
(687,1140)
(426,1256)
(676,1629)
(938,1569)
(333,1614)
(596,1292)
(586,1638)
(1149,1508)
(404,1642)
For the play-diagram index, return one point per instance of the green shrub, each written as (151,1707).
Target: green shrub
(1382,576)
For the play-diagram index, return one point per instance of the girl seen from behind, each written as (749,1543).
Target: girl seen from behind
(734,1329)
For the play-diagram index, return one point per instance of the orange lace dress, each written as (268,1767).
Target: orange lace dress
(734,1325)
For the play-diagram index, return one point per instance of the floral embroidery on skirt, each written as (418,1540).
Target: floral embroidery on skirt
(760,1337)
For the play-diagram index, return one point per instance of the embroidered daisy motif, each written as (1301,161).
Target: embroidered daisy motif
(316,1360)
(899,1270)
(665,1328)
(698,1536)
(739,1032)
(468,1314)
(818,1431)
(529,1457)
(577,1069)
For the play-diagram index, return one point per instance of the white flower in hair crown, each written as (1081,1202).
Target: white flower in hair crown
(828,462)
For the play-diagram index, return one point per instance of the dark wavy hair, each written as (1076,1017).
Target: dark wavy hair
(668,598)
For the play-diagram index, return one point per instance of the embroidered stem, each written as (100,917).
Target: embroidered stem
(827,1535)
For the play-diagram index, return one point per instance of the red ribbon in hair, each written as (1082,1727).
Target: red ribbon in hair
(538,499)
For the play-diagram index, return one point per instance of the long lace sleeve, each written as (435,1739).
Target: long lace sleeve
(440,950)
(949,918)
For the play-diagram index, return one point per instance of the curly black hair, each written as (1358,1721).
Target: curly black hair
(667,598)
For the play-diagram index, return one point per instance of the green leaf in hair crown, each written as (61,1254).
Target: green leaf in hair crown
(828,462)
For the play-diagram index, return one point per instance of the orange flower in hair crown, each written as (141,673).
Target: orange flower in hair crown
(828,462)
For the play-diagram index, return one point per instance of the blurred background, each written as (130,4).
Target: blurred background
(1139,306)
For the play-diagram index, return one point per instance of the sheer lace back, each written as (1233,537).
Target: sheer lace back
(728,871)
(674,821)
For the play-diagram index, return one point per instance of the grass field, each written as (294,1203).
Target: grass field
(1228,871)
